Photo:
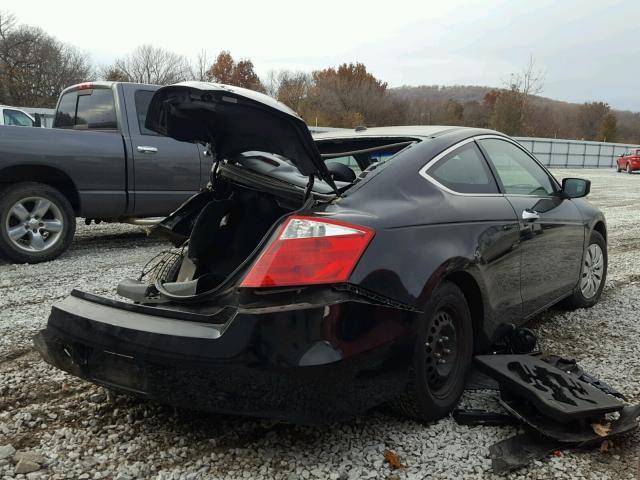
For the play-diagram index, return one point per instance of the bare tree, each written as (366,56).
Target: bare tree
(149,64)
(293,89)
(198,69)
(35,67)
(513,105)
(272,82)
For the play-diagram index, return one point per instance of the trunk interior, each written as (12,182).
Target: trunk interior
(223,234)
(218,230)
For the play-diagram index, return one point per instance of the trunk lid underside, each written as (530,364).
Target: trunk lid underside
(234,120)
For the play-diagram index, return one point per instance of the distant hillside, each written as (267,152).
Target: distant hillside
(553,117)
(461,93)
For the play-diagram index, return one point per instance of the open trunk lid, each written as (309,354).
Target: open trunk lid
(234,120)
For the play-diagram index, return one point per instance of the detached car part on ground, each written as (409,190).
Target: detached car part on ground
(302,291)
(553,399)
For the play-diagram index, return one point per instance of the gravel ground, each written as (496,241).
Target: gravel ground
(62,427)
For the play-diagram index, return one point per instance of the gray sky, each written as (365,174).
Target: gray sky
(589,49)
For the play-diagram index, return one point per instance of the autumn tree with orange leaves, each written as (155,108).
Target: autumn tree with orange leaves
(349,96)
(241,73)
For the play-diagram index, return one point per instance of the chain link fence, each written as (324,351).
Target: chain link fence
(560,153)
(574,153)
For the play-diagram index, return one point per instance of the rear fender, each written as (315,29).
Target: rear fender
(467,276)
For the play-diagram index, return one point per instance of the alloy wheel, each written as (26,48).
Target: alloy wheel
(34,224)
(592,271)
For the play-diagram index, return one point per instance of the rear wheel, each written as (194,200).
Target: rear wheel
(629,170)
(442,357)
(37,223)
(592,275)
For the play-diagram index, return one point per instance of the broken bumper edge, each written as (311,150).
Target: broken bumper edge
(275,365)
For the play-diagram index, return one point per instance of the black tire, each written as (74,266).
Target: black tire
(618,170)
(167,268)
(60,207)
(629,171)
(578,299)
(430,395)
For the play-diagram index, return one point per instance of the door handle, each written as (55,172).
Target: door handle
(529,215)
(143,149)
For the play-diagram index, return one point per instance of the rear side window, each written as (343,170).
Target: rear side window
(87,110)
(465,171)
(143,99)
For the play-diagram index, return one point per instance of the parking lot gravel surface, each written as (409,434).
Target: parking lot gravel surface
(55,426)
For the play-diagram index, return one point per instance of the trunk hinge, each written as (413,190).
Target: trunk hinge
(209,151)
(309,189)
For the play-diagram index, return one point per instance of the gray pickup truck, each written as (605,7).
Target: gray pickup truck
(98,162)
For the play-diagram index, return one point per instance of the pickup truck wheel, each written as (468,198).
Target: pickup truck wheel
(37,223)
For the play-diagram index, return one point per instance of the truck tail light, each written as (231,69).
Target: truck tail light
(308,251)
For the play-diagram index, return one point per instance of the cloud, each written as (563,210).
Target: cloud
(588,48)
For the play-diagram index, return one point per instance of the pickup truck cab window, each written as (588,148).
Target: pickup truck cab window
(142,100)
(16,117)
(516,170)
(91,109)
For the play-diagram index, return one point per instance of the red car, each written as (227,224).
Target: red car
(629,161)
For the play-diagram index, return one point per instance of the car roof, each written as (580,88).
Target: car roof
(400,131)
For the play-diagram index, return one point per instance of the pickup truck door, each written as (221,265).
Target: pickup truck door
(165,172)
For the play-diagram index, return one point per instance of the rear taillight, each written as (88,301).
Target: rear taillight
(307,251)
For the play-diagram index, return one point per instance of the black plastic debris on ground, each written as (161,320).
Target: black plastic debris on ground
(554,393)
(559,405)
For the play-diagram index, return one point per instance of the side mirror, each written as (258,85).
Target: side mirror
(576,187)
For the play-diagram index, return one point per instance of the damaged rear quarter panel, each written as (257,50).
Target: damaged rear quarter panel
(433,234)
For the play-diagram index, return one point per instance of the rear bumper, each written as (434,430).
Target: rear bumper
(288,365)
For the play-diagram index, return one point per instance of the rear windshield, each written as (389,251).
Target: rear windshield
(362,154)
(87,110)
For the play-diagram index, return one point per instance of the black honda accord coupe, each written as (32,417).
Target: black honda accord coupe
(318,277)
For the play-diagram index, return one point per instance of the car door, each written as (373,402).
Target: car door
(166,172)
(485,219)
(551,226)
